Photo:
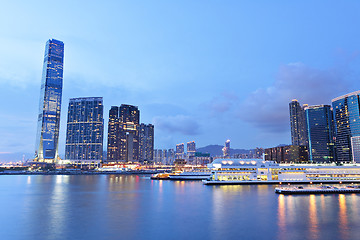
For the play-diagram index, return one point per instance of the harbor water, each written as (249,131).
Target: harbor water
(136,207)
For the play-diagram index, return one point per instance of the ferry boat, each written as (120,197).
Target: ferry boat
(160,176)
(191,175)
(113,169)
(258,171)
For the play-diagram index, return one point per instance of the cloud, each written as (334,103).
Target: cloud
(268,109)
(177,124)
(14,78)
(221,104)
(17,133)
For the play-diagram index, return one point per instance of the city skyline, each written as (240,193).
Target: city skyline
(211,72)
(180,119)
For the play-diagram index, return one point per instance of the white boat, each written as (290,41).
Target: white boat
(113,170)
(191,175)
(258,171)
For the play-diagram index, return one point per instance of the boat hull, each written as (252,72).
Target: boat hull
(317,191)
(189,177)
(273,182)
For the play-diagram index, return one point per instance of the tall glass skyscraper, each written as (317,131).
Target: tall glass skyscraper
(347,121)
(50,103)
(85,127)
(298,124)
(321,133)
(123,133)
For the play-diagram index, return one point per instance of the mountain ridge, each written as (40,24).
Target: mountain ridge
(216,150)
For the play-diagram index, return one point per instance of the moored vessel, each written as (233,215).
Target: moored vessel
(258,171)
(160,176)
(191,175)
(317,189)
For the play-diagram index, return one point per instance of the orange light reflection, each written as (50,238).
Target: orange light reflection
(343,221)
(314,225)
(281,216)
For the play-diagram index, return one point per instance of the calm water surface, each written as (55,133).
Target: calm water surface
(135,207)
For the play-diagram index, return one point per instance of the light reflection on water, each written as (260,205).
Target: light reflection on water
(313,218)
(281,215)
(135,207)
(343,219)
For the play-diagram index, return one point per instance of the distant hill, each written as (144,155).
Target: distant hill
(216,150)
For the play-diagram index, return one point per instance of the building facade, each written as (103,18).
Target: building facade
(202,159)
(113,141)
(47,139)
(158,156)
(355,149)
(321,133)
(347,122)
(191,148)
(180,152)
(297,123)
(170,156)
(123,133)
(146,138)
(190,152)
(226,149)
(85,128)
(287,154)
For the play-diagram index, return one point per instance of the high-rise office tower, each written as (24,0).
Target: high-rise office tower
(347,122)
(123,133)
(179,154)
(85,127)
(191,149)
(298,124)
(226,149)
(146,138)
(321,133)
(47,137)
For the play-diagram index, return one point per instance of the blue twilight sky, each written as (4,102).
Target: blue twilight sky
(198,70)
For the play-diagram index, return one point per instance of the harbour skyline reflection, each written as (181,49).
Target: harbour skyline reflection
(135,207)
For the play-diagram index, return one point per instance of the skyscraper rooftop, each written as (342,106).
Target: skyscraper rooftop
(346,95)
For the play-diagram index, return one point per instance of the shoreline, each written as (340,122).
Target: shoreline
(80,173)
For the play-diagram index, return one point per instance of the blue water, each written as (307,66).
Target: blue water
(135,207)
